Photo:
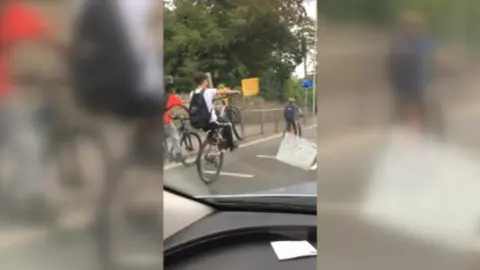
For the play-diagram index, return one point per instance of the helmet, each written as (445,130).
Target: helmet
(291,99)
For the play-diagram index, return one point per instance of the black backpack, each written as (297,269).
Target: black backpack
(104,69)
(290,112)
(405,62)
(198,111)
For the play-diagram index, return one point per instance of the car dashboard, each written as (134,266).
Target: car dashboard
(239,241)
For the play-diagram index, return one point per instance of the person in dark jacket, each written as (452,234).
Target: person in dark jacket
(409,67)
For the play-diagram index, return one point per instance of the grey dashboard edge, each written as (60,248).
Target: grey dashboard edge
(180,212)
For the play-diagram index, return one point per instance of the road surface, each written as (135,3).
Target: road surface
(37,247)
(348,240)
(251,168)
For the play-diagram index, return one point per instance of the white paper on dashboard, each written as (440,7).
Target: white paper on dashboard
(286,250)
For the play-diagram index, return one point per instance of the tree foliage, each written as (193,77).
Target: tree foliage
(236,39)
(450,19)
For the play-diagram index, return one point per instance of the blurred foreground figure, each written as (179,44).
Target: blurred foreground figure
(409,67)
(115,69)
(20,23)
(116,74)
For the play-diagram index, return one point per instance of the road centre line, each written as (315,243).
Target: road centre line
(347,142)
(241,175)
(250,143)
(267,156)
(312,168)
(11,239)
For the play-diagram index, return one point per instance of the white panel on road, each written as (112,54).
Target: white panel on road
(297,152)
(426,189)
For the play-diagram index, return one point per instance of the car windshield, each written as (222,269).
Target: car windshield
(257,77)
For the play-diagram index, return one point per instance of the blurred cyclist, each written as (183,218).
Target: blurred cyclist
(409,67)
(170,129)
(115,69)
(202,113)
(20,23)
(290,113)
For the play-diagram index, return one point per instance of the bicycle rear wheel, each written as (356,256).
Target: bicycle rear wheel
(189,142)
(212,155)
(235,118)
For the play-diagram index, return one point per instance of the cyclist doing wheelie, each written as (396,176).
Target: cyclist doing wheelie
(202,113)
(290,113)
(170,129)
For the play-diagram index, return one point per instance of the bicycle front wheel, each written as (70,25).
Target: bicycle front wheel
(235,118)
(211,155)
(190,144)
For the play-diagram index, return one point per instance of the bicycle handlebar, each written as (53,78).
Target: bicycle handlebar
(220,97)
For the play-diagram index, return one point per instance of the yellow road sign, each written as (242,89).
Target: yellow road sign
(250,86)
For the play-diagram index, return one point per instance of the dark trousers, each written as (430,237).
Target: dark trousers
(291,124)
(226,127)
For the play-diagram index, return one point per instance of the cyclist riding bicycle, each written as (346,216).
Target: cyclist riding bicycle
(202,113)
(290,113)
(170,129)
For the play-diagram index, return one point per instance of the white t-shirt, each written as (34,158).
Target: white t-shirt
(208,95)
(136,15)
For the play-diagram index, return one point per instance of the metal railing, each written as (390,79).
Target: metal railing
(267,121)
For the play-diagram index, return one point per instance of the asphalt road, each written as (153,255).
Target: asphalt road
(37,247)
(251,168)
(348,239)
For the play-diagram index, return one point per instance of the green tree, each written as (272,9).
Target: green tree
(235,39)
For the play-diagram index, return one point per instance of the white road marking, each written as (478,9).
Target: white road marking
(266,156)
(241,175)
(250,143)
(312,168)
(11,239)
(17,238)
(261,140)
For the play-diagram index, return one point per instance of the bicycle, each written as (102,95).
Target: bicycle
(62,141)
(214,143)
(234,116)
(186,136)
(109,207)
